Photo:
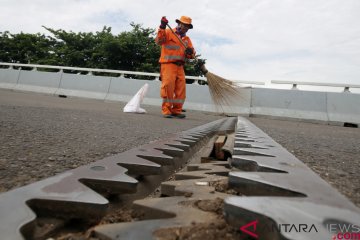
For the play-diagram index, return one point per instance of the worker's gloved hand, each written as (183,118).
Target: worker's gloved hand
(164,22)
(200,66)
(189,51)
(199,62)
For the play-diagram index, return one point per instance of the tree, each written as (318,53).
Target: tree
(133,50)
(25,48)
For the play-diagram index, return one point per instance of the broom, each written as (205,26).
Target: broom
(223,92)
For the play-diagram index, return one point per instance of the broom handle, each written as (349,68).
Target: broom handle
(181,41)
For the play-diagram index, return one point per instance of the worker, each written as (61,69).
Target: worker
(174,52)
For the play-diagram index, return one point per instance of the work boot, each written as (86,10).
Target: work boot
(179,115)
(168,116)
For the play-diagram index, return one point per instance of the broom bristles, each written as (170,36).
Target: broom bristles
(223,92)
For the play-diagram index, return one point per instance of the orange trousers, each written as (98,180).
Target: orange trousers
(173,88)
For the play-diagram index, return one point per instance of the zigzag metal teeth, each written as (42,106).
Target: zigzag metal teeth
(302,196)
(129,160)
(65,194)
(186,182)
(278,189)
(173,211)
(247,163)
(159,209)
(171,208)
(79,192)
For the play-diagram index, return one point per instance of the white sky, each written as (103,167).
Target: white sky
(253,40)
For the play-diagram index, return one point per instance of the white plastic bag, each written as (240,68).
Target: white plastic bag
(133,106)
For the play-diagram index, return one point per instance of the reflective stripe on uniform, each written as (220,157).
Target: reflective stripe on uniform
(173,100)
(174,57)
(172,47)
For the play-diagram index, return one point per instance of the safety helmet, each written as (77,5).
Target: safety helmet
(185,20)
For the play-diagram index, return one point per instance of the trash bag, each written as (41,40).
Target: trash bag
(133,106)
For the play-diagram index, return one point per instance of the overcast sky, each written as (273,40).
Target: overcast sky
(253,40)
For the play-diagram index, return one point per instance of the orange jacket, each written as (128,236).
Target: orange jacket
(171,48)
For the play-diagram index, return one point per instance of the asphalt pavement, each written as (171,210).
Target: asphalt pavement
(42,135)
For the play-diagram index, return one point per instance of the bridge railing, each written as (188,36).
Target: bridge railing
(118,85)
(294,84)
(121,73)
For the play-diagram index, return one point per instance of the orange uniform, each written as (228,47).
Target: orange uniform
(172,60)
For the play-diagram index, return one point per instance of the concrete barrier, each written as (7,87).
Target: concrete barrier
(35,81)
(289,104)
(8,78)
(343,107)
(198,98)
(277,103)
(153,95)
(123,89)
(87,86)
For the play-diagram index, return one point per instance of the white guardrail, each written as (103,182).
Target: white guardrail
(318,84)
(337,107)
(122,73)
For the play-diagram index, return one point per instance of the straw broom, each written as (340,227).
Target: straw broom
(223,92)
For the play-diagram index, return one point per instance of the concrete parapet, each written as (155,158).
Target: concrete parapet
(123,89)
(198,98)
(87,86)
(34,81)
(8,78)
(275,103)
(343,107)
(289,104)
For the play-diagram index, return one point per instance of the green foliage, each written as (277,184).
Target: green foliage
(133,50)
(26,48)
